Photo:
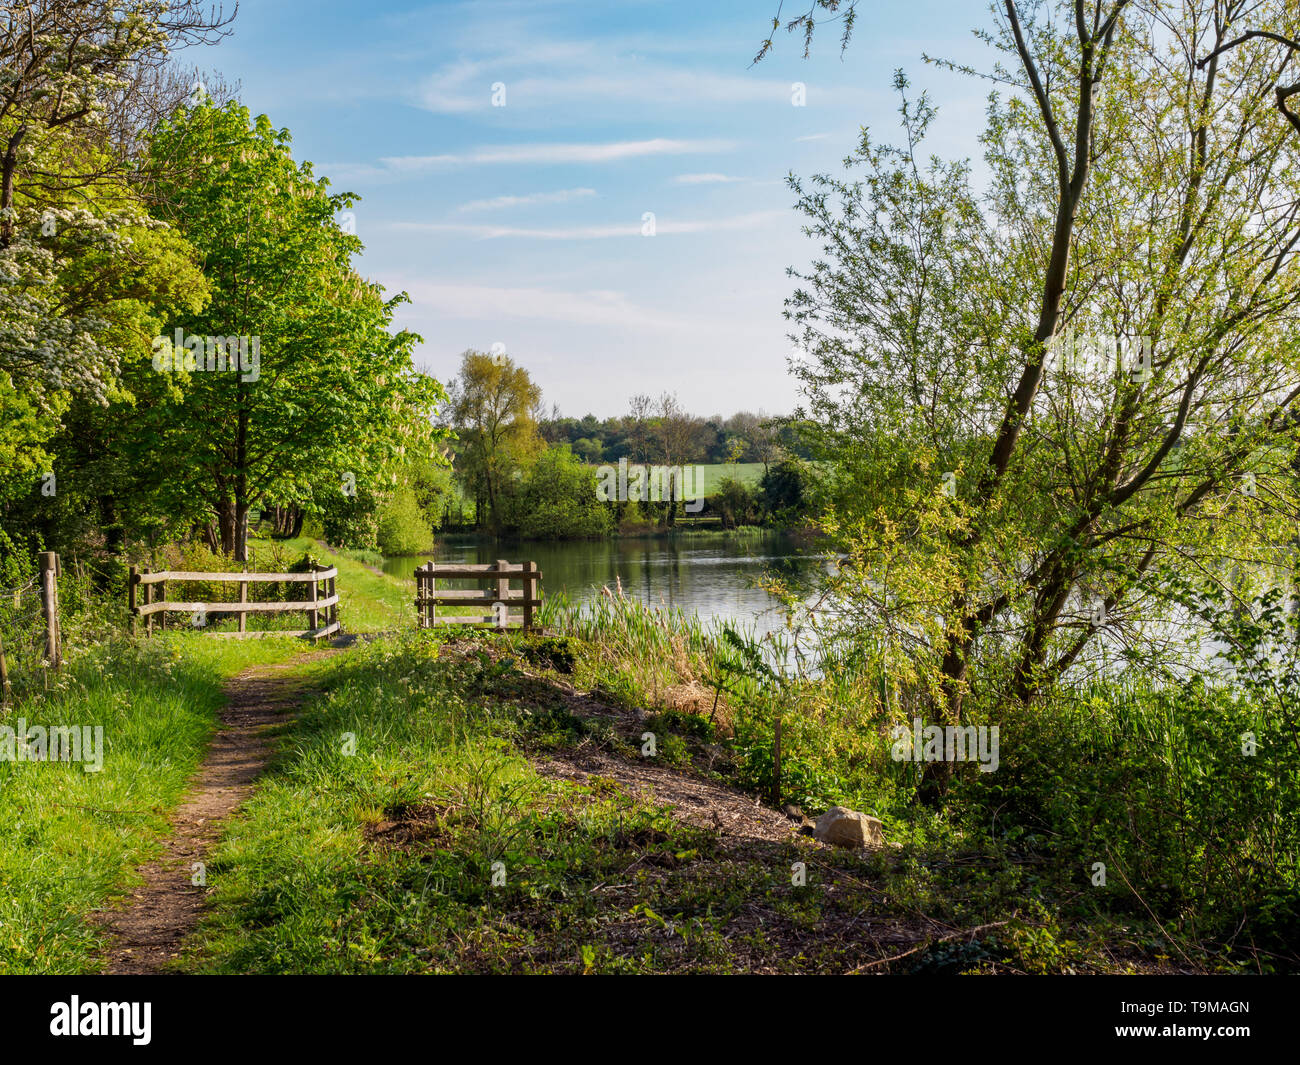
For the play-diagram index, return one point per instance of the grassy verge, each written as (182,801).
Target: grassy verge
(368,601)
(383,859)
(69,839)
(410,825)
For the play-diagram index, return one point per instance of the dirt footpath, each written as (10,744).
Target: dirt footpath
(150,927)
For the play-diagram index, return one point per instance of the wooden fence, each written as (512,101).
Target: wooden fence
(315,607)
(498,599)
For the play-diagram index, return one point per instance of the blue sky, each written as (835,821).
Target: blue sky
(523,224)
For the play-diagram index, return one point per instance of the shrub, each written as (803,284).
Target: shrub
(785,492)
(556,500)
(352,521)
(403,528)
(735,502)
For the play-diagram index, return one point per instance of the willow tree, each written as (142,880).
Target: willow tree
(1047,396)
(493,410)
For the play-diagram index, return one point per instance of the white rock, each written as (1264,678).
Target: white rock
(848,828)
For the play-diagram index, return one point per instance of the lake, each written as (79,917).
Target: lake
(714,577)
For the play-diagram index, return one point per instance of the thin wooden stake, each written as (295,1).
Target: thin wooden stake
(530,585)
(132,584)
(5,690)
(503,589)
(50,607)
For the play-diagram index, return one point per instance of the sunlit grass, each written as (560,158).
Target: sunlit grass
(70,839)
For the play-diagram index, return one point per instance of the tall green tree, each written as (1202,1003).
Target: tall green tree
(317,396)
(76,73)
(82,266)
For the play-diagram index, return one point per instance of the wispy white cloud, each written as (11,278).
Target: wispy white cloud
(486,302)
(498,202)
(704,179)
(406,166)
(663,227)
(585,75)
(811,137)
(609,152)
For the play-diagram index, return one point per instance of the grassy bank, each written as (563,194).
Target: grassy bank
(70,839)
(447,842)
(1125,802)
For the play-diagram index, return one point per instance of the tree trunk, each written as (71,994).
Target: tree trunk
(114,534)
(8,168)
(492,503)
(241,530)
(208,530)
(226,526)
(936,776)
(241,478)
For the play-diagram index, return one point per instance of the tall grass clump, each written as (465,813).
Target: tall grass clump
(835,744)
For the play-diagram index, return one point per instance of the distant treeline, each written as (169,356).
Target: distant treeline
(743,437)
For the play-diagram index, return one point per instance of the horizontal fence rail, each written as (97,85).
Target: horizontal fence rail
(162,576)
(322,609)
(499,598)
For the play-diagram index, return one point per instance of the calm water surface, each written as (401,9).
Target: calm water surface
(714,577)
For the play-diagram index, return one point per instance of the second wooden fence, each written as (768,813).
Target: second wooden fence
(497,599)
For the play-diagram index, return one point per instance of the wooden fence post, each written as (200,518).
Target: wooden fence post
(162,598)
(419,597)
(503,588)
(424,593)
(5,690)
(132,583)
(315,595)
(148,601)
(530,588)
(243,598)
(50,606)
